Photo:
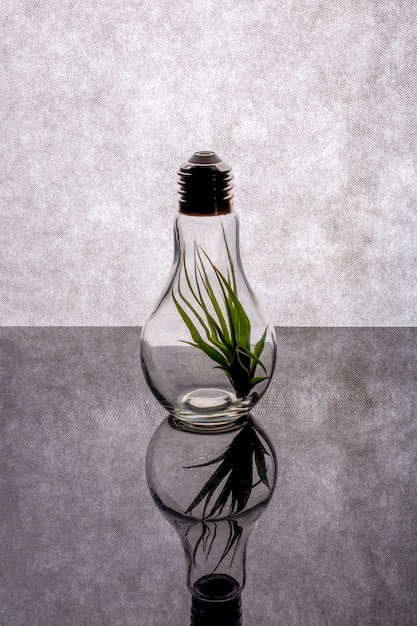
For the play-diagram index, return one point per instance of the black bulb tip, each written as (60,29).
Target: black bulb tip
(204,157)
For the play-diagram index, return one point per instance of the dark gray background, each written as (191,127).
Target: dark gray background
(83,544)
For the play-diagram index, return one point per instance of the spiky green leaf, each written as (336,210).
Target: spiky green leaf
(258,379)
(199,341)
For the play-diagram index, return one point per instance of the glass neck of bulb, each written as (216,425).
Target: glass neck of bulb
(213,239)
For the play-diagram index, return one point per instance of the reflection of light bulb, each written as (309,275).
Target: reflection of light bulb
(207,349)
(212,487)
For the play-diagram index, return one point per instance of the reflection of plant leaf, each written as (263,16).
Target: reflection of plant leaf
(205,538)
(208,536)
(235,535)
(261,464)
(236,470)
(210,486)
(225,324)
(227,492)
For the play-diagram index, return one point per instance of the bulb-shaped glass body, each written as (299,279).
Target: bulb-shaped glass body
(212,491)
(207,349)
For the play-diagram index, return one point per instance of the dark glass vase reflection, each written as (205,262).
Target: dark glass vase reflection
(212,487)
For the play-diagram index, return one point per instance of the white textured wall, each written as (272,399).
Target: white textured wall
(312,102)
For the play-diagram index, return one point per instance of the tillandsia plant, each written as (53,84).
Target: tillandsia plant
(222,320)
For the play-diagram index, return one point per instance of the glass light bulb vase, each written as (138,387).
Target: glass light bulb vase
(207,349)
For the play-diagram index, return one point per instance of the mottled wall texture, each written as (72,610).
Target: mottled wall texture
(312,102)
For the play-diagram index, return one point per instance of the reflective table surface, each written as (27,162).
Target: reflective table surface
(82,542)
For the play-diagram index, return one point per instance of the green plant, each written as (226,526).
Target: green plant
(225,324)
